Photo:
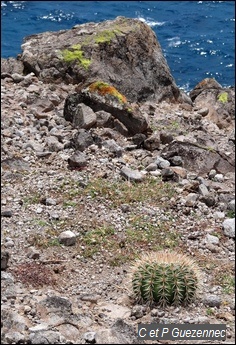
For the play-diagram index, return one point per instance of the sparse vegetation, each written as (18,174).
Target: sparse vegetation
(119,192)
(34,273)
(230,214)
(227,282)
(75,53)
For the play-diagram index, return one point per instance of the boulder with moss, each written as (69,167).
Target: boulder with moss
(122,52)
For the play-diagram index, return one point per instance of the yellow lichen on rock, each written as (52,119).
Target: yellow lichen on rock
(106,89)
(223,97)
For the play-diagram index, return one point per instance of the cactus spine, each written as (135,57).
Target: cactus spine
(165,278)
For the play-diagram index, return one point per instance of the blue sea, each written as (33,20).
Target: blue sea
(197,37)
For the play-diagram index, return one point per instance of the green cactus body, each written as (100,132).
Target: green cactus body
(160,279)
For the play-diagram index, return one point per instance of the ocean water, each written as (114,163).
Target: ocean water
(197,37)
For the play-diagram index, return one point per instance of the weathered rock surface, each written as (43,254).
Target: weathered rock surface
(11,66)
(198,158)
(123,52)
(219,102)
(130,116)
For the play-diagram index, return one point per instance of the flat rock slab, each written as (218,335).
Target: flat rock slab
(199,158)
(132,175)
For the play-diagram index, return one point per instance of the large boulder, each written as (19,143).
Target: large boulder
(122,52)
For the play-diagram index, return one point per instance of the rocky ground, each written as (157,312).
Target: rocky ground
(118,200)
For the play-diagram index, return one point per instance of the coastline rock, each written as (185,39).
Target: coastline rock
(215,102)
(123,52)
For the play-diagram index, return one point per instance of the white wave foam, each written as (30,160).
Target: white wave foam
(150,22)
(174,41)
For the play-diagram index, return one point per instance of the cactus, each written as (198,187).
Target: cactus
(165,278)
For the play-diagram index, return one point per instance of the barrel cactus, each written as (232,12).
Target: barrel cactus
(165,278)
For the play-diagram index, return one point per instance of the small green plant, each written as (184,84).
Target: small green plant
(210,311)
(165,278)
(69,204)
(230,214)
(105,36)
(227,282)
(41,222)
(32,199)
(54,243)
(75,53)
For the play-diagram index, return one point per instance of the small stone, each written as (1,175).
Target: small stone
(33,253)
(137,311)
(212,239)
(152,143)
(191,199)
(229,227)
(151,167)
(212,174)
(67,238)
(166,138)
(132,175)
(14,337)
(203,111)
(219,178)
(9,244)
(90,337)
(113,147)
(6,213)
(203,190)
(78,160)
(176,161)
(4,259)
(219,215)
(154,312)
(212,301)
(90,298)
(162,163)
(231,205)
